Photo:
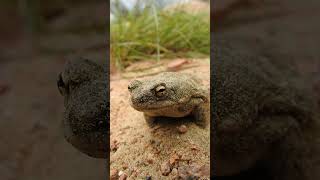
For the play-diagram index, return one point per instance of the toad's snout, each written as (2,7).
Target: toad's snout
(133,85)
(139,100)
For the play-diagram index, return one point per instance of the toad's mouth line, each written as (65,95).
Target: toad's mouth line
(146,108)
(152,108)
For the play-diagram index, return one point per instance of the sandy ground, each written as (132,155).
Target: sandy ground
(141,152)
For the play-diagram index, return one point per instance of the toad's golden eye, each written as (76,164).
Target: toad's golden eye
(160,90)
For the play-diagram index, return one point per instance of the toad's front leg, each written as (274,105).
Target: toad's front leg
(149,119)
(201,115)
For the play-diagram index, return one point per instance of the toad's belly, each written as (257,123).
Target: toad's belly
(169,112)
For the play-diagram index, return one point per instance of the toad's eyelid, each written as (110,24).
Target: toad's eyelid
(157,85)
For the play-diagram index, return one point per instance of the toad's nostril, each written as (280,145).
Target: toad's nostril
(143,99)
(134,84)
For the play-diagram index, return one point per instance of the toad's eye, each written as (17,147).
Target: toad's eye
(160,90)
(63,88)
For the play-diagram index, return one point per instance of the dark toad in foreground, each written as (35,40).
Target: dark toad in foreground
(264,117)
(84,88)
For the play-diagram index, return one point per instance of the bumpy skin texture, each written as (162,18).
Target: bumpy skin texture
(170,94)
(83,85)
(262,117)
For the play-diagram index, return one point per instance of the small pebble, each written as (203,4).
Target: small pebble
(123,177)
(114,146)
(194,147)
(165,168)
(174,171)
(155,142)
(135,140)
(120,173)
(124,166)
(150,159)
(152,141)
(173,159)
(134,174)
(114,174)
(176,64)
(182,129)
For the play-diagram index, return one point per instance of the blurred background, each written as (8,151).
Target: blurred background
(154,30)
(36,38)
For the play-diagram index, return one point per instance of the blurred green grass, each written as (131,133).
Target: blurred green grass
(164,34)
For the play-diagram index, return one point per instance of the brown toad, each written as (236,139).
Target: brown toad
(170,94)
